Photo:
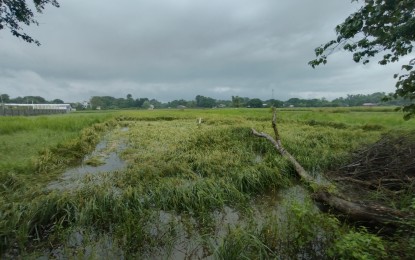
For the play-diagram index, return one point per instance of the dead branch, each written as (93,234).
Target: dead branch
(375,214)
(298,168)
(277,144)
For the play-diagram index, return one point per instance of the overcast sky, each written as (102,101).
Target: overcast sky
(173,49)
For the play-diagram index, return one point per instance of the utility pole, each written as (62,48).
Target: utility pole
(272,93)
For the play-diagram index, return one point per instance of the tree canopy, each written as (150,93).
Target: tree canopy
(15,13)
(384,28)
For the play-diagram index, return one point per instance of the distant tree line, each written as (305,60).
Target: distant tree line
(108,102)
(5,98)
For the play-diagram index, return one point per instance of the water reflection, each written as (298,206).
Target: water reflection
(104,162)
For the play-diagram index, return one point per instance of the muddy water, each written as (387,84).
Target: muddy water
(108,160)
(180,237)
(187,242)
(190,244)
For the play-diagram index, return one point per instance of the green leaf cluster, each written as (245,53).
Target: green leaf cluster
(14,13)
(359,245)
(379,28)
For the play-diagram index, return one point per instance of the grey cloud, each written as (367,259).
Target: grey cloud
(178,49)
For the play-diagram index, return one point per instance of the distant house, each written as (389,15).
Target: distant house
(369,104)
(181,107)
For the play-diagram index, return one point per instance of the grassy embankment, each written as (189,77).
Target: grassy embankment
(188,189)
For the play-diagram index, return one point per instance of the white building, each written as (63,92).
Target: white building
(62,107)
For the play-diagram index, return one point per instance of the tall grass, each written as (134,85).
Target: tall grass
(178,166)
(21,138)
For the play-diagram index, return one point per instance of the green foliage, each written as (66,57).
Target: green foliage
(108,102)
(22,138)
(412,206)
(241,244)
(379,28)
(296,231)
(14,13)
(255,102)
(237,101)
(307,233)
(359,245)
(207,102)
(71,152)
(377,98)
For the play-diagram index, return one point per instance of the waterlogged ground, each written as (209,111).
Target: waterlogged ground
(104,160)
(161,185)
(198,186)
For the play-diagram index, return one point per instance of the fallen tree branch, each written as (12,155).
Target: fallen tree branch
(375,214)
(277,144)
(298,168)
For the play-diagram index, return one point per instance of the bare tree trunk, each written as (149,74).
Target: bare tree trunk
(375,214)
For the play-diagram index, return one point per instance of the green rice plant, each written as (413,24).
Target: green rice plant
(9,182)
(11,125)
(327,124)
(355,119)
(257,180)
(10,217)
(71,152)
(198,198)
(372,127)
(242,244)
(131,234)
(28,223)
(359,245)
(65,123)
(22,138)
(57,210)
(299,231)
(321,148)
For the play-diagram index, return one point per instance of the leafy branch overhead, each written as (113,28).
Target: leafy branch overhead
(384,28)
(15,13)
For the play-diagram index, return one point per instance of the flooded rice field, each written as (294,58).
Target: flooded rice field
(137,158)
(180,189)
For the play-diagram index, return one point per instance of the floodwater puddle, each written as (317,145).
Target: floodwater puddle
(225,220)
(88,244)
(180,235)
(284,209)
(104,159)
(188,243)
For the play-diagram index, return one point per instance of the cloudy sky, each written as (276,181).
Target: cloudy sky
(173,49)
